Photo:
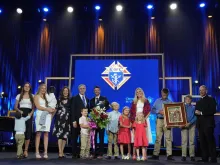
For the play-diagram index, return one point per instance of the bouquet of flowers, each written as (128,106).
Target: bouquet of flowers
(100,117)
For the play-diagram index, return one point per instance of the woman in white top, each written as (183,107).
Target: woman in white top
(25,105)
(41,104)
(140,104)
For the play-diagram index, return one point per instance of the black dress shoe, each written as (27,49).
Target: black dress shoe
(170,157)
(183,159)
(213,160)
(108,157)
(117,158)
(192,159)
(154,157)
(75,156)
(202,160)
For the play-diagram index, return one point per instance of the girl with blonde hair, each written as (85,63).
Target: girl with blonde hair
(124,133)
(41,103)
(140,137)
(140,104)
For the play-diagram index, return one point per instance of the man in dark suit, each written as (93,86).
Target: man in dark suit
(205,110)
(78,103)
(102,102)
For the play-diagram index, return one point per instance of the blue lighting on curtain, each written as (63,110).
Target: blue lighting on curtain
(97,7)
(202,5)
(46,9)
(150,6)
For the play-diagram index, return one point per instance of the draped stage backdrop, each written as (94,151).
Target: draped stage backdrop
(31,50)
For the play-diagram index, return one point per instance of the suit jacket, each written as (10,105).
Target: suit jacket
(76,106)
(207,105)
(101,98)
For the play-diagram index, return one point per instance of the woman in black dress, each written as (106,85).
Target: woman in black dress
(62,124)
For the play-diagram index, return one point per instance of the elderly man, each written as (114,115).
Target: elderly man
(205,110)
(78,103)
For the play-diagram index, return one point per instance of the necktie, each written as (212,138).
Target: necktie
(84,100)
(96,100)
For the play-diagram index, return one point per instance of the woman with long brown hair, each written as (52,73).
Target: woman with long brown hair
(25,105)
(41,104)
(62,122)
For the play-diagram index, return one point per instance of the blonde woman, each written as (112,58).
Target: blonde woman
(140,104)
(41,103)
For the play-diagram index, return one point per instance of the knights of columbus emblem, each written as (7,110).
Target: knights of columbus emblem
(116,75)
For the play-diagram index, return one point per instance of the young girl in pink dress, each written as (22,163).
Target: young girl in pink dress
(124,134)
(140,137)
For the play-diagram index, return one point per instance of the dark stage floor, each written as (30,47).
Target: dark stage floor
(7,158)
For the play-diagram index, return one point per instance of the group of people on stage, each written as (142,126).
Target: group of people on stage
(130,127)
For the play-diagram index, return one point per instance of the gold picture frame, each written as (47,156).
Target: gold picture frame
(175,115)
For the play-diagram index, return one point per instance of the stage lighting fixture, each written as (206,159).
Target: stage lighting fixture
(152,17)
(3,95)
(202,5)
(196,81)
(150,6)
(19,87)
(173,6)
(39,81)
(70,9)
(19,10)
(45,20)
(100,19)
(97,7)
(45,9)
(119,7)
(219,87)
(210,16)
(0,11)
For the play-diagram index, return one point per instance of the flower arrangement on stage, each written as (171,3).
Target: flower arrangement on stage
(100,117)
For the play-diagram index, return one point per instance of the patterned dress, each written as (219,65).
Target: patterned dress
(62,122)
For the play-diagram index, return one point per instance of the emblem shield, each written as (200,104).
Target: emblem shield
(116,77)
